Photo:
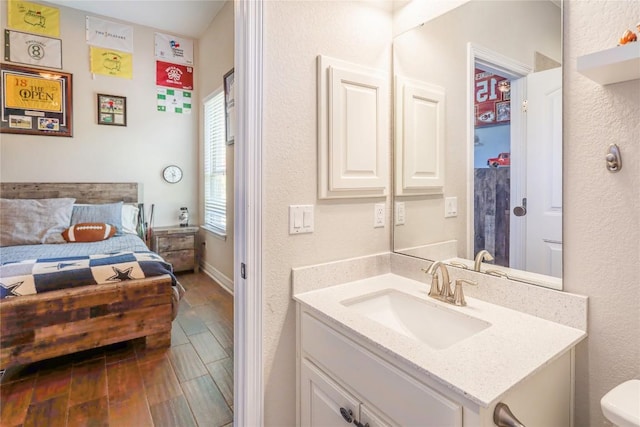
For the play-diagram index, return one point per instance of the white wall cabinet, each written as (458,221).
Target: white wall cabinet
(353,136)
(337,370)
(420,135)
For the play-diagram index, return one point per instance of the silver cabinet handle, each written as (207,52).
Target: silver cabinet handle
(503,417)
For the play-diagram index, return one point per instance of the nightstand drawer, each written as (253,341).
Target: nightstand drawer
(175,243)
(181,260)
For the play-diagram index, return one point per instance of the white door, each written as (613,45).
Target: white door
(322,399)
(544,173)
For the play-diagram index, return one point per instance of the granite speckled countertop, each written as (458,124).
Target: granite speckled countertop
(482,367)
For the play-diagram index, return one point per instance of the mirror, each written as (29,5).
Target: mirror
(478,139)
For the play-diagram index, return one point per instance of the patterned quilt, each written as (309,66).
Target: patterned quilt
(50,274)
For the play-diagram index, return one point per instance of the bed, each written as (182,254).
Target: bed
(63,321)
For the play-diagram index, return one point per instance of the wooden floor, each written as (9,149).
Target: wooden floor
(190,384)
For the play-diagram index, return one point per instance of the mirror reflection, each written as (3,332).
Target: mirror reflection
(478,139)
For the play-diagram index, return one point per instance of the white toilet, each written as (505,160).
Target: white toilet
(621,405)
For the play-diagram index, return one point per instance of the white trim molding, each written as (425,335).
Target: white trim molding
(248,375)
(218,276)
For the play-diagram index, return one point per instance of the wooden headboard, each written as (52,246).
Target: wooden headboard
(84,192)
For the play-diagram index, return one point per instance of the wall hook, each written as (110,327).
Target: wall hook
(614,158)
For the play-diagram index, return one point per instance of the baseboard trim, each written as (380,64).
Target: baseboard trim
(215,274)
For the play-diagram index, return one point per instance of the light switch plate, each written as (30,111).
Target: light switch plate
(300,219)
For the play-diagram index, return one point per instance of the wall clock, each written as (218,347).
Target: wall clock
(172,174)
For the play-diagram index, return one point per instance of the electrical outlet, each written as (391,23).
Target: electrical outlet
(378,215)
(400,213)
(450,207)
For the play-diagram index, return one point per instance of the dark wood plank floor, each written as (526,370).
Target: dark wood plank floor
(189,384)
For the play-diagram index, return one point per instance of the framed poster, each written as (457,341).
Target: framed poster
(112,110)
(229,107)
(492,96)
(35,101)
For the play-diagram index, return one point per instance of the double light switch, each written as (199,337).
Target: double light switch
(300,219)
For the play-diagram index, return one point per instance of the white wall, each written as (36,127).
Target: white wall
(215,56)
(601,209)
(98,153)
(295,33)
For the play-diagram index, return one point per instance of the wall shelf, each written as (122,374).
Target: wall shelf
(618,64)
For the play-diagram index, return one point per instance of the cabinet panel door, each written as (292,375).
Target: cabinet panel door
(321,399)
(370,417)
(398,395)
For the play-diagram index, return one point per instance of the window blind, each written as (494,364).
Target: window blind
(215,164)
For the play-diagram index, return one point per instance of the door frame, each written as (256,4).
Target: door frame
(248,65)
(514,70)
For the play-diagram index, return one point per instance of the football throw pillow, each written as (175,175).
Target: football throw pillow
(89,232)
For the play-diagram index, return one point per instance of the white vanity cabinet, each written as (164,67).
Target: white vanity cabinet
(325,401)
(337,369)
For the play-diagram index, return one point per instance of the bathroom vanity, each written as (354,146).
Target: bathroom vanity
(380,351)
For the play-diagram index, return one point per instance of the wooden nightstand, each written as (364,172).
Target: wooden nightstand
(177,245)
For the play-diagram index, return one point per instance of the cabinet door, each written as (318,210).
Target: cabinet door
(321,399)
(369,417)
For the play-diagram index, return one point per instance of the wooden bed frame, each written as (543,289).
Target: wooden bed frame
(38,327)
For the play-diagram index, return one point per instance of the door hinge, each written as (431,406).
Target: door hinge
(243,270)
(524,106)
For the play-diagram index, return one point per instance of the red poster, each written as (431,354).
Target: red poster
(174,75)
(492,106)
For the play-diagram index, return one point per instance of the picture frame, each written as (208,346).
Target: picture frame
(112,110)
(229,107)
(503,111)
(36,101)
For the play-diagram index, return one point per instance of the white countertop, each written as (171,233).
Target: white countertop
(482,367)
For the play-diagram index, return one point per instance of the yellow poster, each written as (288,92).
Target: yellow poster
(33,18)
(33,93)
(111,62)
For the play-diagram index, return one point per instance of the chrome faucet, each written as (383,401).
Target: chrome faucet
(441,292)
(483,255)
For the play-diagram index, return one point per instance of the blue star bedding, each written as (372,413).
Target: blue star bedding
(61,266)
(50,274)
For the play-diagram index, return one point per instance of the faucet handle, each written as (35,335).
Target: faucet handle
(458,295)
(434,291)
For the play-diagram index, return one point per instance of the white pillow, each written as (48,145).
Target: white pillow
(129,219)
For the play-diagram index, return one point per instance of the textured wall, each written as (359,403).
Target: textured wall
(602,210)
(215,54)
(295,33)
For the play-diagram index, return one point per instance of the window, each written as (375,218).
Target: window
(215,165)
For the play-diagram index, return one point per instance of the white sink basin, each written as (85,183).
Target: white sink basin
(428,322)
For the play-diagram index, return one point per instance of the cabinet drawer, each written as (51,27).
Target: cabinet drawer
(175,243)
(402,398)
(181,260)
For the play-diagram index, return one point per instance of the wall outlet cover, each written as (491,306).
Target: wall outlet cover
(400,213)
(378,215)
(450,207)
